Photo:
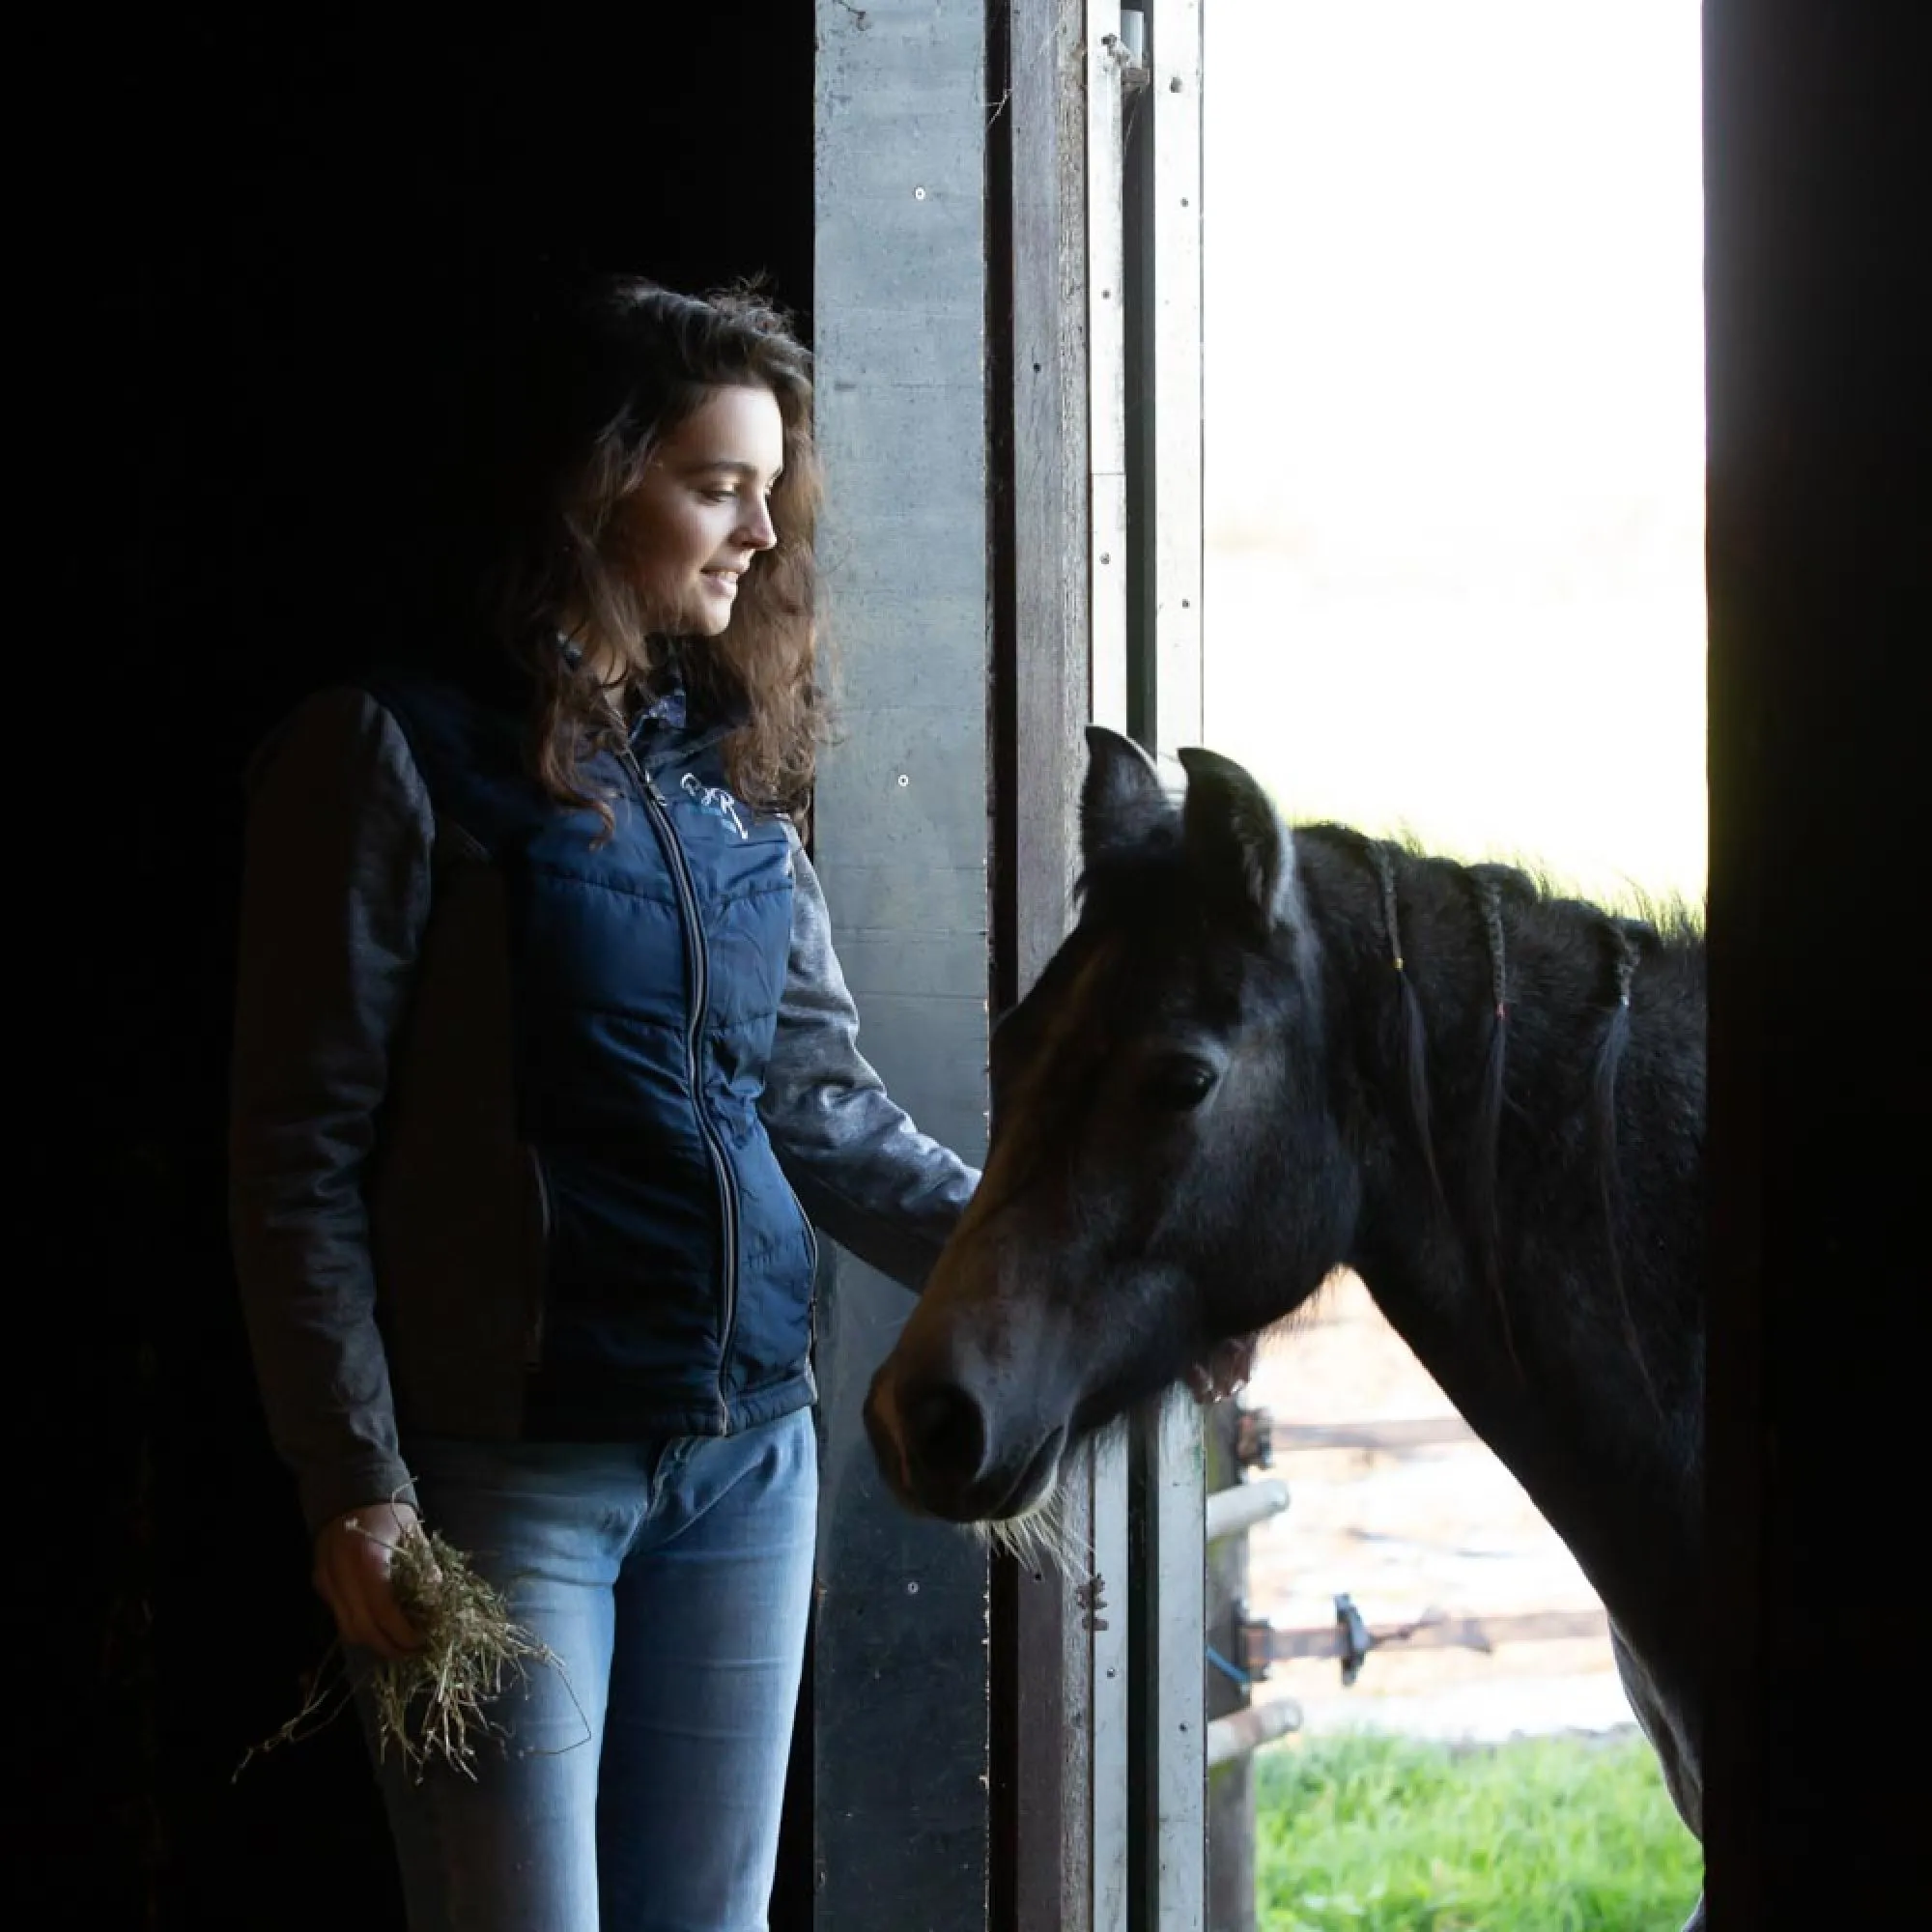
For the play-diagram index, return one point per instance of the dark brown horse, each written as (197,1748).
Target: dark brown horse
(1262,1056)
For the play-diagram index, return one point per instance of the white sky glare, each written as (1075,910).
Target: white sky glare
(1453,423)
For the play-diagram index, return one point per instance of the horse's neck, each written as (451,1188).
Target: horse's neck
(1614,1477)
(1583,1373)
(1620,1486)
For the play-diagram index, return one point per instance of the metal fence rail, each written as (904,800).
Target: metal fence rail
(1241,1650)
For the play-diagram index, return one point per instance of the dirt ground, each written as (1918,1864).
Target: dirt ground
(1440,1528)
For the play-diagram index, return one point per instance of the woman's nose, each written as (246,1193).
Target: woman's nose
(756,529)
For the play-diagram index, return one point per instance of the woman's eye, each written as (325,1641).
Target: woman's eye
(1177,1085)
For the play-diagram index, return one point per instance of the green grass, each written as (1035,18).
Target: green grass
(1367,1833)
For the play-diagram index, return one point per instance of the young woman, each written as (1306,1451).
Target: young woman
(544,1070)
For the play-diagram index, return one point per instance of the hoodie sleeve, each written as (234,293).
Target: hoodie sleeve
(864,1171)
(335,896)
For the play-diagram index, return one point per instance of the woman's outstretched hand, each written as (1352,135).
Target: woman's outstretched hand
(351,1575)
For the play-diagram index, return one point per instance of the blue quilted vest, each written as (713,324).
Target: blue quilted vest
(646,973)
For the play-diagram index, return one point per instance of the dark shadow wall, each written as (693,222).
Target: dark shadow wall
(1819,567)
(270,251)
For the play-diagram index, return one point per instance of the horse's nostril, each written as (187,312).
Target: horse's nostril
(946,1432)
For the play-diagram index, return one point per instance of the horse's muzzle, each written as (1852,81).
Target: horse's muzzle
(940,1451)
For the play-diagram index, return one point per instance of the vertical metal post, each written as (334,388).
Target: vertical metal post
(1168,1481)
(1168,1487)
(1104,1661)
(1172,329)
(1107,64)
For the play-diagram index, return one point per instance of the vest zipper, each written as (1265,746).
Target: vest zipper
(658,809)
(533,1334)
(811,1236)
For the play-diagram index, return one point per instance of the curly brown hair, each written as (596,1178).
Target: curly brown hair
(604,380)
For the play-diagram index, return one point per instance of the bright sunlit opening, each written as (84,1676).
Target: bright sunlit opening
(1455,437)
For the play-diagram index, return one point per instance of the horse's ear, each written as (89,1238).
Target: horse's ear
(1236,839)
(1122,800)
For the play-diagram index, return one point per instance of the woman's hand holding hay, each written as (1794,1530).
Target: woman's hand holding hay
(352,1563)
(444,1635)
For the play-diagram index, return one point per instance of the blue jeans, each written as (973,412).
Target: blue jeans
(672,1579)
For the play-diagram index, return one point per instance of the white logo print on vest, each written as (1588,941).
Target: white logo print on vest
(714,799)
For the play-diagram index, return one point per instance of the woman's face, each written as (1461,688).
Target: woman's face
(692,527)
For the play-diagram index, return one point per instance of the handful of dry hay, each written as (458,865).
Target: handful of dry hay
(433,1703)
(471,1646)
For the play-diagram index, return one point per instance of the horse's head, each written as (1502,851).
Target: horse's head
(1165,1172)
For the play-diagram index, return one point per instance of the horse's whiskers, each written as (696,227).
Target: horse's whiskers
(1037,1538)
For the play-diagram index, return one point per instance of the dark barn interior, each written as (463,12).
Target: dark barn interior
(253,324)
(270,323)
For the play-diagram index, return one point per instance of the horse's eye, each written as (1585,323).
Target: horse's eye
(1178,1084)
